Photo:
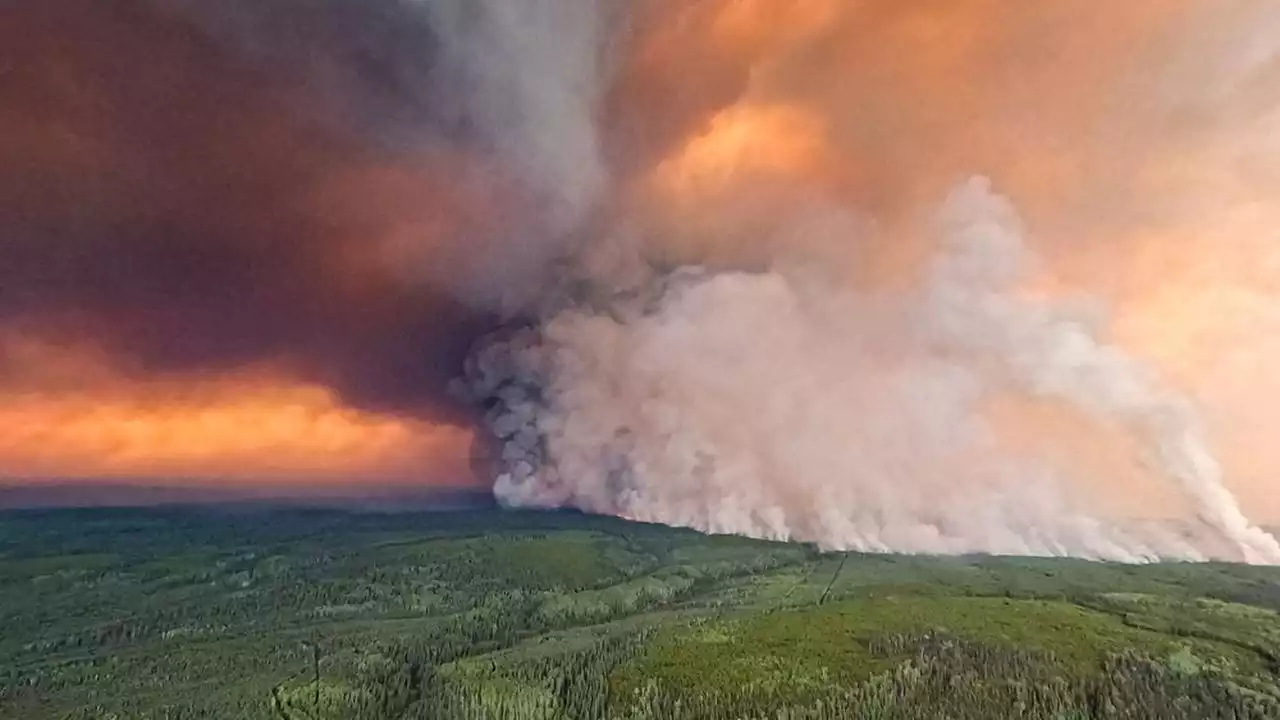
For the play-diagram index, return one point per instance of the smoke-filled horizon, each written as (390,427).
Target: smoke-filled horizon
(935,275)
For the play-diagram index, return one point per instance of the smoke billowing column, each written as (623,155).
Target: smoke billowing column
(774,347)
(744,282)
(773,405)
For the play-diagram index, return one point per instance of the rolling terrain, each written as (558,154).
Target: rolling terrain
(322,615)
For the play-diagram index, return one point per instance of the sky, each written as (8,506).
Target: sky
(194,270)
(255,244)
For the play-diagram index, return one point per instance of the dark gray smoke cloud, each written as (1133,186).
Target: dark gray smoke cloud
(195,187)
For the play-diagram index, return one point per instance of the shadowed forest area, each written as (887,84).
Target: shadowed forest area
(285,614)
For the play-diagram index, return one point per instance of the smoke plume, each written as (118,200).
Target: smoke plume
(922,275)
(725,363)
(771,404)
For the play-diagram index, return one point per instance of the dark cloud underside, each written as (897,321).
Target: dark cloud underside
(194,197)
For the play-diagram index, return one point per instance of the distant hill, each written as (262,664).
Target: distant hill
(72,493)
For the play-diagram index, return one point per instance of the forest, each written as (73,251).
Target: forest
(302,614)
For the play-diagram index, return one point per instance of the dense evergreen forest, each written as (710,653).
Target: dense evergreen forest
(319,615)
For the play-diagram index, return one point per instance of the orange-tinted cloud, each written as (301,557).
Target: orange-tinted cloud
(69,414)
(216,259)
(1136,142)
(275,433)
(194,208)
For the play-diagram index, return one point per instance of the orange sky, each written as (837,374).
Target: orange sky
(67,414)
(277,433)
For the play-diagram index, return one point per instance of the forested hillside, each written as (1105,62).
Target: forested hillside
(317,615)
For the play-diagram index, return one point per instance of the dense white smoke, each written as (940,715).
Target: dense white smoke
(779,399)
(776,405)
